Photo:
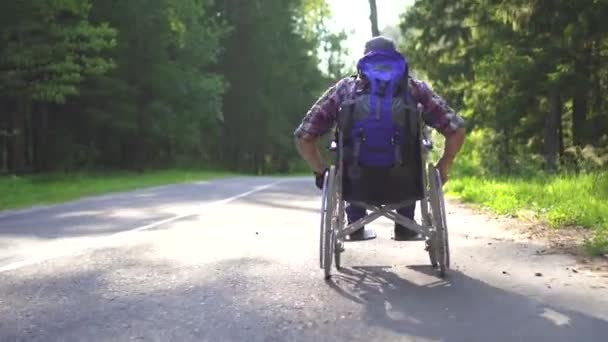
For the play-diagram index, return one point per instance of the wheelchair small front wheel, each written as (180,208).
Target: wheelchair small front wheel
(338,249)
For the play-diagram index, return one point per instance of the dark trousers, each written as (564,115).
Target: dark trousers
(354,213)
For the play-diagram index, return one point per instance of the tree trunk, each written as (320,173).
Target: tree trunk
(560,132)
(504,164)
(596,60)
(139,159)
(140,137)
(579,115)
(16,148)
(373,17)
(4,132)
(597,106)
(40,128)
(125,155)
(29,138)
(580,105)
(552,123)
(169,158)
(283,165)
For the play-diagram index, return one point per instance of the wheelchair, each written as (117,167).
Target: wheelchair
(424,179)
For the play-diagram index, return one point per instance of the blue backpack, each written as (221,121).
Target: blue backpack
(378,127)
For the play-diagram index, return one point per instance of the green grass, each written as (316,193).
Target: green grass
(567,200)
(19,192)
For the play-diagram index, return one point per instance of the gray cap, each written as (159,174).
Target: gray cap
(379,43)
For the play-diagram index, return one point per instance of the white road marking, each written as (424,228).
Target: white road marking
(96,242)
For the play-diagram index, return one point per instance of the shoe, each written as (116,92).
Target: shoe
(405,234)
(362,234)
(357,235)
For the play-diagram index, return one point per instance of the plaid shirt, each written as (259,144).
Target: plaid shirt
(323,114)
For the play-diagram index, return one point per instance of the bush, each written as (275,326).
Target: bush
(559,200)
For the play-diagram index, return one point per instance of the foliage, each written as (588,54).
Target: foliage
(529,78)
(48,47)
(57,187)
(91,84)
(579,201)
(528,73)
(273,76)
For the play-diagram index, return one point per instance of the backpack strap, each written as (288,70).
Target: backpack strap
(356,142)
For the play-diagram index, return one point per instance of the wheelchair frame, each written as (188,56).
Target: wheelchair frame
(433,228)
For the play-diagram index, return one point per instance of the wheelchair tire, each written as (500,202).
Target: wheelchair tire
(328,236)
(324,213)
(444,215)
(440,236)
(322,224)
(431,249)
(337,255)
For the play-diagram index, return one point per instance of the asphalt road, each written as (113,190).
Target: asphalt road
(237,260)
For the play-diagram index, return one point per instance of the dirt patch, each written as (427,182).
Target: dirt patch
(565,240)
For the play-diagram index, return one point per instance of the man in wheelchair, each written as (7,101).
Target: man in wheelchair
(376,112)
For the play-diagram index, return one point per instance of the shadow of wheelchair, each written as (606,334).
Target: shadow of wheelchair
(458,308)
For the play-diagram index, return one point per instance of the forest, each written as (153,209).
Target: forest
(150,84)
(221,85)
(530,78)
(138,85)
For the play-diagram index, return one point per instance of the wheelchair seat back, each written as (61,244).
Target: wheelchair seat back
(380,185)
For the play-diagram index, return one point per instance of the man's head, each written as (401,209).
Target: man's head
(389,59)
(379,43)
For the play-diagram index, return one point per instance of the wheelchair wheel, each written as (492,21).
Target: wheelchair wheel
(328,237)
(337,252)
(444,216)
(431,249)
(430,246)
(438,247)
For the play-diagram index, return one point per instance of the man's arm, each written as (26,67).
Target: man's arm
(445,120)
(318,121)
(309,151)
(453,143)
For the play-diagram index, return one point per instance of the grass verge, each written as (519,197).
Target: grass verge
(565,200)
(19,192)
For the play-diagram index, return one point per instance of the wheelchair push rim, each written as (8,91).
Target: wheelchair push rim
(338,223)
